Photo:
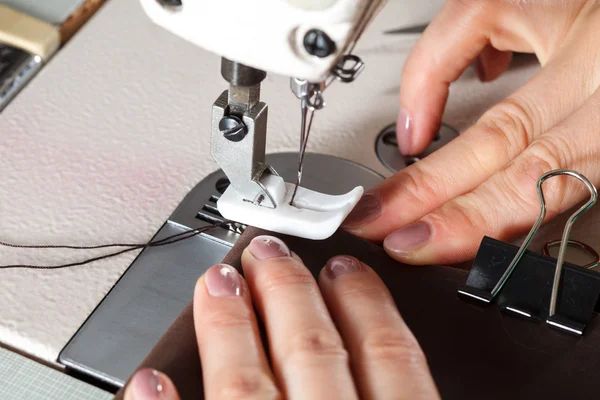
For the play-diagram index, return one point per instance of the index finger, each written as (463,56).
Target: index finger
(234,364)
(447,47)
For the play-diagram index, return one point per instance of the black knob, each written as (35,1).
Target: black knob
(232,128)
(170,3)
(318,44)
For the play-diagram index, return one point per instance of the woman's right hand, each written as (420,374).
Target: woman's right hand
(484,183)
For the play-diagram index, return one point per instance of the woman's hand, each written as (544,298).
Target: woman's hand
(484,182)
(340,338)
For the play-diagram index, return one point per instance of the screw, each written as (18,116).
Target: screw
(170,3)
(232,128)
(318,44)
(222,185)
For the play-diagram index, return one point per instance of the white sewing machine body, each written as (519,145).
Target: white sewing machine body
(268,34)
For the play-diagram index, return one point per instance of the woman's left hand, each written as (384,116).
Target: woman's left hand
(340,338)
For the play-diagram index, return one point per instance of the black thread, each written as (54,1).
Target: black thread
(132,247)
(61,246)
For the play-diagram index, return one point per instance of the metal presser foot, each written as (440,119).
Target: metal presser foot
(311,215)
(257,195)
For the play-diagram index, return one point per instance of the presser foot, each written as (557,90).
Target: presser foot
(312,215)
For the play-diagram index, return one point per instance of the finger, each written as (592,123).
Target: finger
(307,352)
(465,163)
(234,363)
(447,47)
(149,384)
(492,63)
(507,205)
(386,358)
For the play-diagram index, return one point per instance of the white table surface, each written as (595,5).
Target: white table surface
(107,140)
(24,379)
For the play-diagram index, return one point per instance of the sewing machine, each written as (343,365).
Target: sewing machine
(310,41)
(108,156)
(250,188)
(307,44)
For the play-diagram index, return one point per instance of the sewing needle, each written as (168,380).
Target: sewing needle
(304,133)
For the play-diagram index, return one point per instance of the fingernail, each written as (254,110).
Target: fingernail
(264,247)
(223,280)
(404,127)
(342,265)
(367,210)
(147,385)
(408,238)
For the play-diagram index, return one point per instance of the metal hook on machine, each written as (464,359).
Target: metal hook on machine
(349,68)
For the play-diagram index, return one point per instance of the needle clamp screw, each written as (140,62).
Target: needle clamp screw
(232,128)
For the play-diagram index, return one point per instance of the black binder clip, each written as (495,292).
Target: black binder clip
(535,286)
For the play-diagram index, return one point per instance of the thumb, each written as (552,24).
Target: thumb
(149,384)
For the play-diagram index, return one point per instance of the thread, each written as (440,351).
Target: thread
(130,247)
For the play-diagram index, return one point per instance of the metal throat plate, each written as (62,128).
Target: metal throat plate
(145,301)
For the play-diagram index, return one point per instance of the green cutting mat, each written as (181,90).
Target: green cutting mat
(24,379)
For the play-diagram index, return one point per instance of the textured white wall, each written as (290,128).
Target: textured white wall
(106,141)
